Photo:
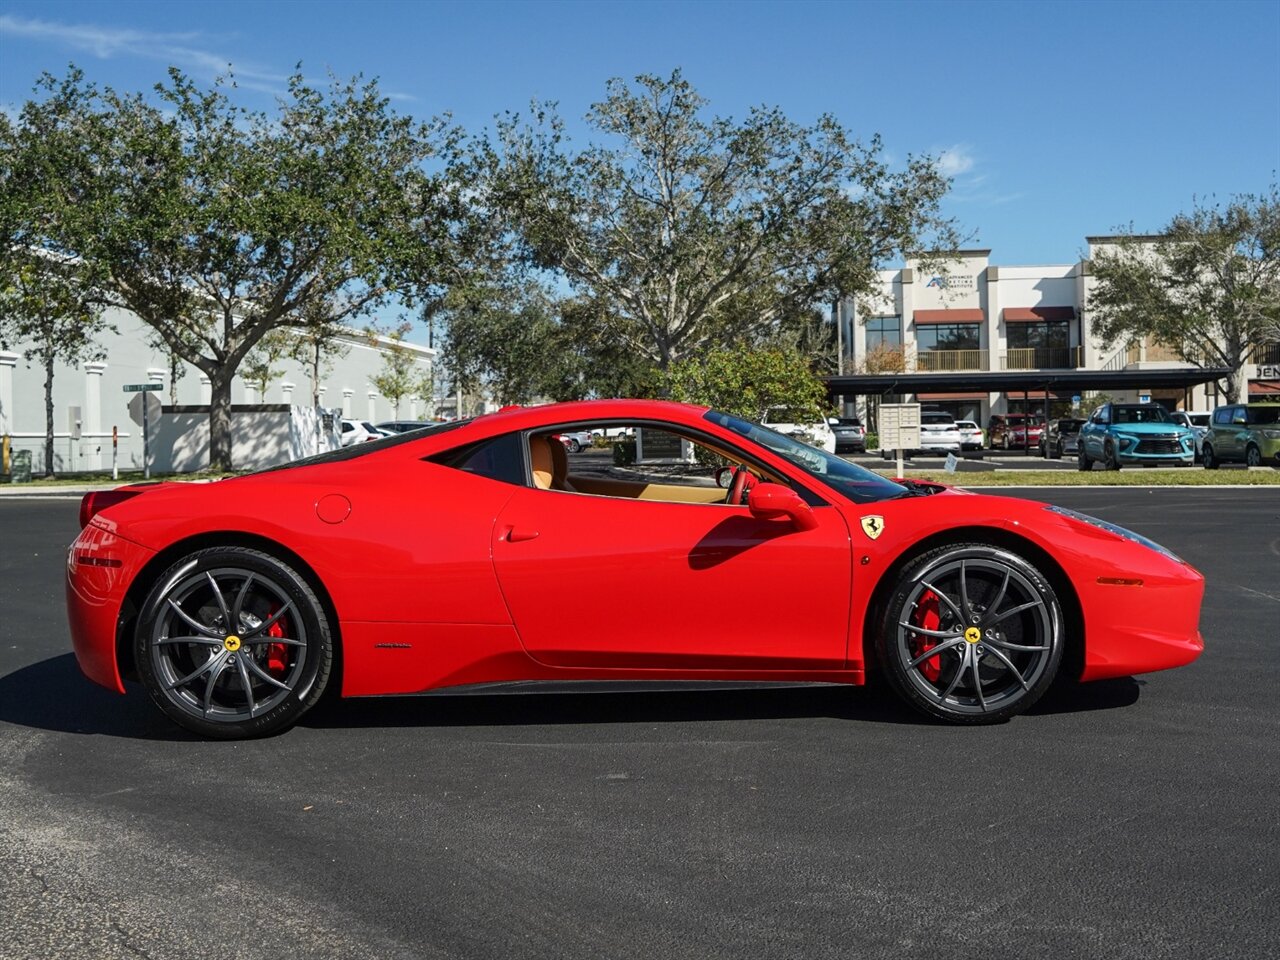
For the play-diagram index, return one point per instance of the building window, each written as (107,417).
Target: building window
(947,336)
(1052,334)
(884,332)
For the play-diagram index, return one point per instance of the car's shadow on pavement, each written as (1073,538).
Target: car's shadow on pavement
(598,703)
(53,695)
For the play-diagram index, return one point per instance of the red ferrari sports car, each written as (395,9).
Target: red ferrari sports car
(440,558)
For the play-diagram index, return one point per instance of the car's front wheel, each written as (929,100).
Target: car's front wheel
(1110,460)
(972,633)
(1209,458)
(1082,459)
(233,643)
(1253,456)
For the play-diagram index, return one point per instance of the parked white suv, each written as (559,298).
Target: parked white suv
(816,433)
(939,433)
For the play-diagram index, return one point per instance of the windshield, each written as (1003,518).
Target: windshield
(849,480)
(1142,414)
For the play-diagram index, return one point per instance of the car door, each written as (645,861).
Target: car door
(1238,441)
(1091,433)
(671,586)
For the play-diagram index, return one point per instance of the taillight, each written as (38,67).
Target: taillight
(94,503)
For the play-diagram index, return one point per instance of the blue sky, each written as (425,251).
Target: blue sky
(1057,120)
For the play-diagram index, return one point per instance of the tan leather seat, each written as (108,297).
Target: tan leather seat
(559,465)
(542,460)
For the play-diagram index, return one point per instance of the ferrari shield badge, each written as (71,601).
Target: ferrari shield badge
(873,526)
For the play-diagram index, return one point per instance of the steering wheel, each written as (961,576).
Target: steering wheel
(742,482)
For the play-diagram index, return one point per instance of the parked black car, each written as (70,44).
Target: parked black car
(851,435)
(1061,437)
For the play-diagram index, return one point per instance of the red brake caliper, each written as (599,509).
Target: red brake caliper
(277,653)
(929,617)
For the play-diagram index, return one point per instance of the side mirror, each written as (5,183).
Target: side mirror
(772,501)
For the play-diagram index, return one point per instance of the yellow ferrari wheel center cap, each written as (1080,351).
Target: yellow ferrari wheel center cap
(232,643)
(973,635)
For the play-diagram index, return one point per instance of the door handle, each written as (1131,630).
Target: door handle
(512,535)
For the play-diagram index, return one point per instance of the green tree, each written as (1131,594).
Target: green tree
(402,373)
(318,341)
(747,382)
(504,338)
(216,224)
(683,216)
(1208,286)
(47,308)
(259,369)
(50,301)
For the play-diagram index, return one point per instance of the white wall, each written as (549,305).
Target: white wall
(129,359)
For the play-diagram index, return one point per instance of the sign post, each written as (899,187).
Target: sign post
(140,410)
(115,447)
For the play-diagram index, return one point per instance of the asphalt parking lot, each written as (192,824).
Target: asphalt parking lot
(1125,819)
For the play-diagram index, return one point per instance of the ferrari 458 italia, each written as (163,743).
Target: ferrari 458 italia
(442,558)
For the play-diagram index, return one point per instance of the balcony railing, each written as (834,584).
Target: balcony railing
(1266,353)
(935,361)
(1042,358)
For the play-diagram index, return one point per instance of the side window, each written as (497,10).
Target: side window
(498,458)
(641,462)
(1239,416)
(1222,415)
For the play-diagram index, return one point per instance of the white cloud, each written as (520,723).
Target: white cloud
(955,160)
(178,49)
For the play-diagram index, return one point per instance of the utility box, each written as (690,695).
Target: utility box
(899,426)
(21,467)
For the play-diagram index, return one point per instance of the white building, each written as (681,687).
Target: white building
(977,317)
(89,400)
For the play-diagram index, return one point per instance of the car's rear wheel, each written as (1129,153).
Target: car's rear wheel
(1253,456)
(1209,458)
(233,643)
(972,634)
(1059,451)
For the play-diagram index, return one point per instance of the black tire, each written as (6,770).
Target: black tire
(574,446)
(1253,456)
(1208,458)
(982,675)
(1058,451)
(204,682)
(1083,462)
(1109,459)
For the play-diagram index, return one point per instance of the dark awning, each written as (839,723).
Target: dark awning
(948,316)
(1033,314)
(1005,381)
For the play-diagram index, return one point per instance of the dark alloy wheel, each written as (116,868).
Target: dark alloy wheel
(233,643)
(1109,459)
(1253,456)
(972,634)
(1082,458)
(1208,458)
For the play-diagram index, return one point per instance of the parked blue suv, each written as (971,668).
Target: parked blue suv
(1134,433)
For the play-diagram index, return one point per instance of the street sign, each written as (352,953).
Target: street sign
(142,387)
(951,463)
(152,411)
(1075,401)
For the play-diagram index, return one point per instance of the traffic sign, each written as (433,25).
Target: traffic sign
(144,406)
(142,387)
